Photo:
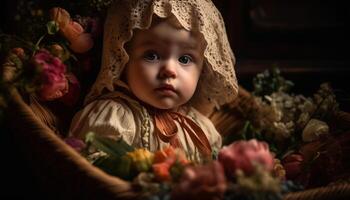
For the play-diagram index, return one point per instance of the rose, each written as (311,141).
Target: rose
(244,155)
(201,182)
(73,94)
(52,75)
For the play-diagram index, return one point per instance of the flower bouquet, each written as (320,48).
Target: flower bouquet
(310,135)
(241,170)
(56,69)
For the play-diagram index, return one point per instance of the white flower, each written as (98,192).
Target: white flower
(314,129)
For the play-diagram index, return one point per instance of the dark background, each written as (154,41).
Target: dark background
(307,39)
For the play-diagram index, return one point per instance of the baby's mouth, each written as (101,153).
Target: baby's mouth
(166,89)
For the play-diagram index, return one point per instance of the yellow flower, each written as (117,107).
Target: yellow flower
(141,159)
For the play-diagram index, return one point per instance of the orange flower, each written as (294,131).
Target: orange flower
(169,153)
(162,171)
(80,42)
(164,159)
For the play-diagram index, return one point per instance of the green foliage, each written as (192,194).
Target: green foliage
(115,162)
(112,147)
(52,27)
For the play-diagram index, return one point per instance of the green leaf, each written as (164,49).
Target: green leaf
(52,27)
(112,147)
(116,166)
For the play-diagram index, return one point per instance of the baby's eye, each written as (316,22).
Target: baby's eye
(185,59)
(151,56)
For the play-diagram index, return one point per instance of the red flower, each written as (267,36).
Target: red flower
(52,75)
(244,154)
(293,165)
(73,94)
(201,182)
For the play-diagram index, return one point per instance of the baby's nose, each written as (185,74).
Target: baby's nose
(168,69)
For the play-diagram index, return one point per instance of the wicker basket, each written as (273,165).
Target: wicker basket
(62,171)
(67,175)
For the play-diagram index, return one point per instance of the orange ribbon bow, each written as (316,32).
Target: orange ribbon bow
(166,130)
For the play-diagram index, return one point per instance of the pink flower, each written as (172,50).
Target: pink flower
(73,94)
(244,155)
(201,182)
(52,76)
(75,143)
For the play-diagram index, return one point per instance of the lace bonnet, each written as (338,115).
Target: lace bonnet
(218,82)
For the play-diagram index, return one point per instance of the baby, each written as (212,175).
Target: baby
(162,59)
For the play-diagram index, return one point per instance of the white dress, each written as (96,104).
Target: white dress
(116,116)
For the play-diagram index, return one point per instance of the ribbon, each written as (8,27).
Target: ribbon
(166,130)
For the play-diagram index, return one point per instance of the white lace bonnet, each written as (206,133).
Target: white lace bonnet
(218,82)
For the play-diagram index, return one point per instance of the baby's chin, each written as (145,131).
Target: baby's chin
(165,104)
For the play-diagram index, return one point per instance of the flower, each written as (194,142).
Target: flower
(75,143)
(171,154)
(293,164)
(201,182)
(244,155)
(18,52)
(52,75)
(58,51)
(80,41)
(141,159)
(73,94)
(165,159)
(162,171)
(314,129)
(278,170)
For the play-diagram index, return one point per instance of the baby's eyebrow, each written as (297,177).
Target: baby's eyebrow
(187,45)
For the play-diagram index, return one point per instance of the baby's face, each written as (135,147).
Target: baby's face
(164,65)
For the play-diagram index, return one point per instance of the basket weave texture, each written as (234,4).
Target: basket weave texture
(68,175)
